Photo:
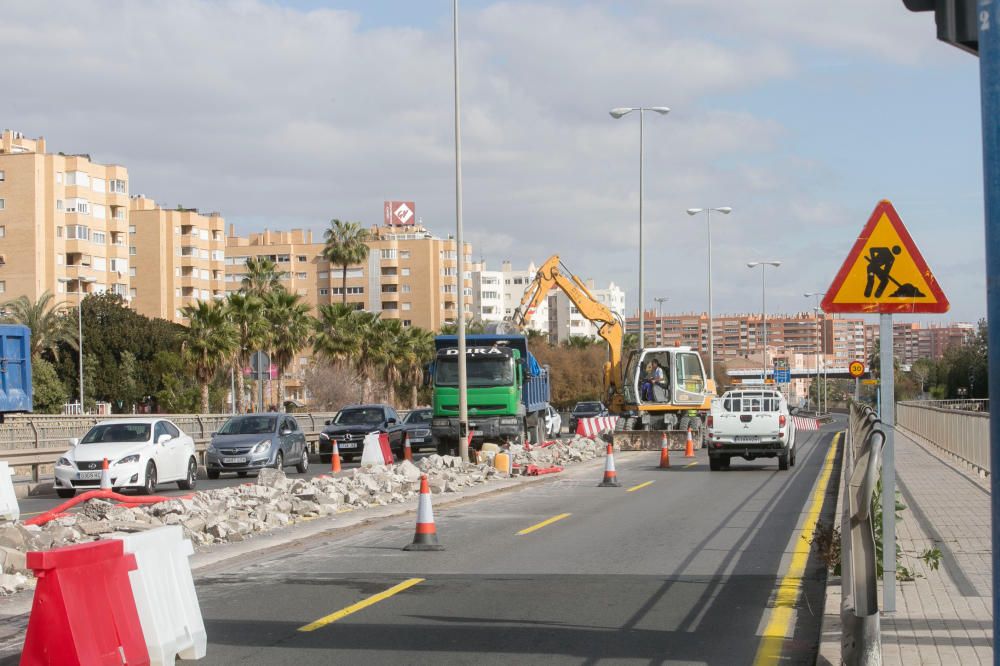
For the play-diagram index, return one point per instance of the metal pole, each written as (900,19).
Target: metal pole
(232,391)
(642,314)
(989,81)
(763,322)
(888,464)
(825,405)
(79,321)
(711,339)
(463,398)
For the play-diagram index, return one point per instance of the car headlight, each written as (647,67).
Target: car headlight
(64,462)
(134,458)
(261,447)
(323,435)
(210,448)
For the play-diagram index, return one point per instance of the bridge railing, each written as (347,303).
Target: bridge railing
(960,427)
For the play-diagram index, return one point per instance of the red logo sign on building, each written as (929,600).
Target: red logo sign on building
(399,213)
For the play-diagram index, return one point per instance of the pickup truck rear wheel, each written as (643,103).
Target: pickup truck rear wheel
(715,464)
(783,461)
(791,457)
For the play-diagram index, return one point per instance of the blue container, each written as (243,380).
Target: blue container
(15,369)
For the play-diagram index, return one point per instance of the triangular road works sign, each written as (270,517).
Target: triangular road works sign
(884,272)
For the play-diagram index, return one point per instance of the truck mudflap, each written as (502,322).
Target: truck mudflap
(652,440)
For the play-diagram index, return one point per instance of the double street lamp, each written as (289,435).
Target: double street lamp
(80,294)
(822,333)
(618,113)
(763,310)
(725,210)
(660,300)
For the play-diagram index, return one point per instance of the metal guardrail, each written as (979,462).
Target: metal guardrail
(963,433)
(965,405)
(37,440)
(861,640)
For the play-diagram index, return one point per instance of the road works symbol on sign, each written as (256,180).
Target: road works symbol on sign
(885,272)
(857,368)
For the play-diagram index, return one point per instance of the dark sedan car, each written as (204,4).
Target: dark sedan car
(249,442)
(350,426)
(583,410)
(417,425)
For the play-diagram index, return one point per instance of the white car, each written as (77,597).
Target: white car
(140,452)
(553,422)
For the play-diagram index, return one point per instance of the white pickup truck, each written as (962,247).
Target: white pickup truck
(750,423)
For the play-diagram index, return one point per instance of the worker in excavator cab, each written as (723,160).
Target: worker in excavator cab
(657,382)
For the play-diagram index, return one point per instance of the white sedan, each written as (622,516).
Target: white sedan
(140,454)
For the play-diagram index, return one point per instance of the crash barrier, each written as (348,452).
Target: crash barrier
(595,425)
(805,423)
(964,433)
(376,451)
(83,611)
(9,508)
(60,510)
(861,641)
(164,595)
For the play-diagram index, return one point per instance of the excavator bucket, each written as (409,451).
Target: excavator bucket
(652,440)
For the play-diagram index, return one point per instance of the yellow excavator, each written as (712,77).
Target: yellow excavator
(658,390)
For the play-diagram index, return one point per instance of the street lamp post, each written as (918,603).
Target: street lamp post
(725,210)
(659,316)
(463,398)
(763,310)
(79,293)
(822,336)
(618,113)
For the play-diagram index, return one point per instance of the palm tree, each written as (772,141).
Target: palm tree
(389,353)
(417,350)
(262,277)
(209,344)
(346,244)
(246,313)
(291,327)
(50,324)
(346,334)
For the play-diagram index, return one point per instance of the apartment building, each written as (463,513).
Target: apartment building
(487,294)
(565,320)
(409,275)
(63,223)
(178,258)
(912,342)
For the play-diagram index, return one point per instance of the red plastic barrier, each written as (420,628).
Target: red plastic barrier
(533,470)
(98,494)
(83,612)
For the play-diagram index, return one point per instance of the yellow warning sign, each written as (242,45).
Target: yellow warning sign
(885,272)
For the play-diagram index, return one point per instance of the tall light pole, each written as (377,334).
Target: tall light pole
(79,293)
(822,336)
(660,300)
(463,398)
(763,309)
(725,210)
(618,113)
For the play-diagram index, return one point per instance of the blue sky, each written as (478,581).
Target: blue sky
(800,116)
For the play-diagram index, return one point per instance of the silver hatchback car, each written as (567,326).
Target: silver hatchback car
(250,442)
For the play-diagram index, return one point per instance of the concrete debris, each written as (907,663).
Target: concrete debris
(239,512)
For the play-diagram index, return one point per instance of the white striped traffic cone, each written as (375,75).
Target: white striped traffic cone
(105,476)
(664,452)
(407,451)
(425,537)
(610,476)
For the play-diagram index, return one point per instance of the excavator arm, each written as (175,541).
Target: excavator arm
(610,327)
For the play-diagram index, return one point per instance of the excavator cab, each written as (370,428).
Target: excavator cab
(682,382)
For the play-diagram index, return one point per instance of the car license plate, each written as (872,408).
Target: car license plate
(477,433)
(89,476)
(748,439)
(234,461)
(347,445)
(416,440)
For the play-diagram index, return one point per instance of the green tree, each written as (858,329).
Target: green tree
(49,393)
(176,394)
(51,324)
(346,334)
(472,327)
(291,328)
(417,351)
(346,244)
(246,313)
(262,277)
(210,343)
(389,354)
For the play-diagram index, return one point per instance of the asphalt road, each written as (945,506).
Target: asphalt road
(681,570)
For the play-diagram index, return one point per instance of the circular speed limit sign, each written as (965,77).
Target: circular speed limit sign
(857,368)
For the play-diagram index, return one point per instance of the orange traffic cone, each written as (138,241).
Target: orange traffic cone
(664,452)
(407,451)
(425,537)
(689,447)
(610,476)
(335,458)
(105,476)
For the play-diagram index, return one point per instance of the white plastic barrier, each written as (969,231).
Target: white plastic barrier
(164,595)
(8,500)
(376,451)
(595,425)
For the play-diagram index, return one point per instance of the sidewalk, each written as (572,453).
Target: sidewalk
(943,616)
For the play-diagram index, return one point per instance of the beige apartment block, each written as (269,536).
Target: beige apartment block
(179,258)
(410,275)
(63,223)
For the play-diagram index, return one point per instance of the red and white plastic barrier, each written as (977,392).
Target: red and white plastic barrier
(805,423)
(376,451)
(593,426)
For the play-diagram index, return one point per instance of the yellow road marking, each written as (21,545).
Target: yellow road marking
(529,530)
(691,464)
(354,608)
(769,650)
(638,487)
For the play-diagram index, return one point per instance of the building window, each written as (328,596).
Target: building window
(78,231)
(3,286)
(131,271)
(323,291)
(131,250)
(59,204)
(350,290)
(118,213)
(118,186)
(301,276)
(388,253)
(131,293)
(302,257)
(406,306)
(323,275)
(283,259)
(406,272)
(3,231)
(407,323)
(404,254)
(76,205)
(99,237)
(131,228)
(3,204)
(406,288)
(2,177)
(77,178)
(97,184)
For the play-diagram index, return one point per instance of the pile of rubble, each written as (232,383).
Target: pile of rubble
(239,512)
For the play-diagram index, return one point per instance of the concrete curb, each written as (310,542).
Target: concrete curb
(830,628)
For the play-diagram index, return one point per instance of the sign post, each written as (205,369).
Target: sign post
(260,365)
(885,273)
(857,368)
